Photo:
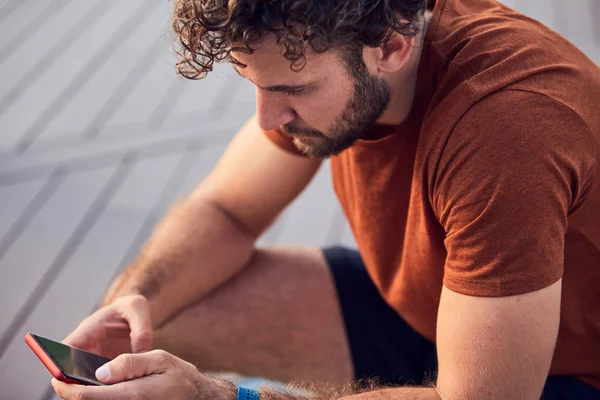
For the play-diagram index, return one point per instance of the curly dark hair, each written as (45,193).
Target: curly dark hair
(207,31)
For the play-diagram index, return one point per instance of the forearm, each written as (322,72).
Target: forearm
(399,393)
(193,250)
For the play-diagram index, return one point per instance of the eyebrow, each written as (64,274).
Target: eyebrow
(277,88)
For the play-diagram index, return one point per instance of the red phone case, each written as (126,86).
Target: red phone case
(47,361)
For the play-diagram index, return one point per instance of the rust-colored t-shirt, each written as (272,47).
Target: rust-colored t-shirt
(491,187)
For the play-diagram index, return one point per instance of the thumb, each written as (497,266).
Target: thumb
(132,366)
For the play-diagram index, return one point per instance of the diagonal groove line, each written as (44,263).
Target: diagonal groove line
(91,67)
(68,39)
(72,244)
(167,104)
(165,146)
(173,184)
(224,96)
(130,81)
(8,8)
(32,209)
(54,148)
(32,27)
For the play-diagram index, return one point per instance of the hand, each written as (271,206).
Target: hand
(153,375)
(121,327)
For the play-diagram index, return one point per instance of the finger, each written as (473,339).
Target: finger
(58,387)
(132,366)
(79,392)
(88,335)
(85,336)
(137,313)
(103,320)
(117,325)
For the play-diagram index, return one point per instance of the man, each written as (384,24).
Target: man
(463,139)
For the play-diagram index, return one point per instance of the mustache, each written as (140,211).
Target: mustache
(292,130)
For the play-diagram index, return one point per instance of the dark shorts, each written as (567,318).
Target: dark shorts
(384,347)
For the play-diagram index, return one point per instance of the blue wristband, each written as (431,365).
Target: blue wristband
(247,394)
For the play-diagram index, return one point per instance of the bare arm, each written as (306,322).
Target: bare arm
(209,236)
(488,348)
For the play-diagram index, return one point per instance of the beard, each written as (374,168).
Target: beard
(370,98)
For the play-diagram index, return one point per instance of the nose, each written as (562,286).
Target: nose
(272,110)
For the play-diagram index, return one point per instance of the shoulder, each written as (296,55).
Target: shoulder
(515,138)
(491,47)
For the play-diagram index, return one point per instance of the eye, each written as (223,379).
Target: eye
(292,93)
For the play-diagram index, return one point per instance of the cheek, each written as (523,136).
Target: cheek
(321,109)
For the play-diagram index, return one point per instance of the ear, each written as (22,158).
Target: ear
(392,56)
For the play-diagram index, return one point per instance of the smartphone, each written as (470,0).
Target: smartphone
(65,363)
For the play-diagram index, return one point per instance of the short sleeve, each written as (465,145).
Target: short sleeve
(511,171)
(283,142)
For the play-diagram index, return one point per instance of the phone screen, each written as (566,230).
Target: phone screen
(74,363)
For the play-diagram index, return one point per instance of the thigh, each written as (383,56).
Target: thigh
(386,348)
(279,319)
(383,346)
(567,388)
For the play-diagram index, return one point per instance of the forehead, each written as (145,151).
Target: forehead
(268,60)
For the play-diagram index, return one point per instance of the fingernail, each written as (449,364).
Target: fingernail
(102,373)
